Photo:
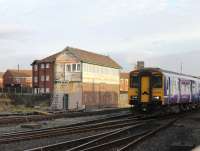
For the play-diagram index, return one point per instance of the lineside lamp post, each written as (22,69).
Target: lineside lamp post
(21,88)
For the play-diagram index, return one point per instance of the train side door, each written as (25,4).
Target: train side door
(145,89)
(169,90)
(179,89)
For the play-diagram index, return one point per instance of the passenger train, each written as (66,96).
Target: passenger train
(153,88)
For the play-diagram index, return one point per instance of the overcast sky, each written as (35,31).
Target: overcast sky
(163,33)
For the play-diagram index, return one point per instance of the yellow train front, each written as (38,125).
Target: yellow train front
(146,89)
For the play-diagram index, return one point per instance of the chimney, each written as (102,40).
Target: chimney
(139,65)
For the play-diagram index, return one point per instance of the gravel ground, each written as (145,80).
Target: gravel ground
(19,146)
(56,122)
(184,133)
(23,145)
(47,124)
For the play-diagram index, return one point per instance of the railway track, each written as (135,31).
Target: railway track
(116,131)
(114,122)
(14,119)
(121,139)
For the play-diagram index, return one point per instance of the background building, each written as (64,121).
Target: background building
(78,79)
(1,80)
(16,79)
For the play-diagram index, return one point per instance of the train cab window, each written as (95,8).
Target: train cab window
(134,82)
(157,82)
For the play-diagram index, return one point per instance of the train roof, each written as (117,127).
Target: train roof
(166,71)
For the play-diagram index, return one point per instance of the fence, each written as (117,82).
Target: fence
(16,91)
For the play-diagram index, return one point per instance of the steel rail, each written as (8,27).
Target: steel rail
(106,138)
(73,143)
(29,118)
(145,136)
(77,125)
(122,144)
(82,143)
(68,130)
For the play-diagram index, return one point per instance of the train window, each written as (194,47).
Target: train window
(157,82)
(134,82)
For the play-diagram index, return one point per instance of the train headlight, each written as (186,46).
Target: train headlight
(134,97)
(144,109)
(156,97)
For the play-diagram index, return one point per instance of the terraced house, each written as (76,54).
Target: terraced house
(14,78)
(78,79)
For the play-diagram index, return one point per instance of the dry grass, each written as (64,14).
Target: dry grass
(7,106)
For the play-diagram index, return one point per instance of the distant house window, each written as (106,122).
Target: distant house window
(47,65)
(42,66)
(35,79)
(42,78)
(47,78)
(73,67)
(35,67)
(18,80)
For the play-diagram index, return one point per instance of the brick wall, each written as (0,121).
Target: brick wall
(43,77)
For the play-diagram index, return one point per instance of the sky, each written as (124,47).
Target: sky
(163,33)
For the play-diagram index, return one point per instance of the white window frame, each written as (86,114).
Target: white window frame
(36,90)
(78,64)
(71,67)
(41,90)
(47,65)
(18,80)
(42,78)
(47,78)
(35,67)
(47,90)
(66,67)
(42,66)
(35,79)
